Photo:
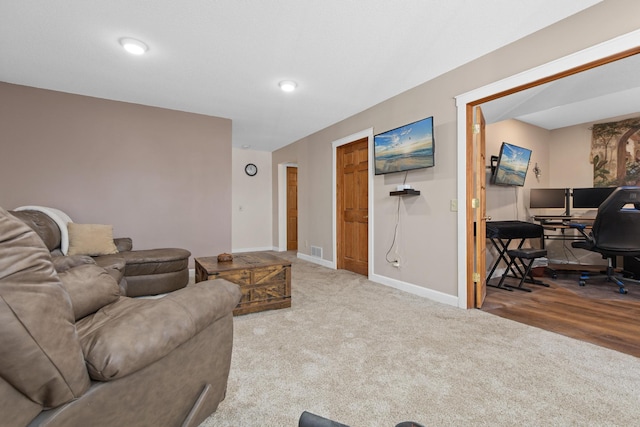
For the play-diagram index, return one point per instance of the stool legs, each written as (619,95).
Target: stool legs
(520,274)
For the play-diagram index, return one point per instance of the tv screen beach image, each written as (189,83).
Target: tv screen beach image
(512,165)
(407,147)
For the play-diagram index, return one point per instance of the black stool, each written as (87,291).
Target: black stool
(523,271)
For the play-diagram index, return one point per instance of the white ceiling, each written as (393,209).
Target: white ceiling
(603,92)
(225,58)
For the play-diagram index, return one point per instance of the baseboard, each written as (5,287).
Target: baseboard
(397,284)
(316,260)
(260,249)
(416,290)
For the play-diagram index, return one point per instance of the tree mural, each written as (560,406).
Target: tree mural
(615,153)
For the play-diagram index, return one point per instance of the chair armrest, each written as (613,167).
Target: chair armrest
(588,237)
(578,226)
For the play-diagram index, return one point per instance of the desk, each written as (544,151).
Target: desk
(502,233)
(561,223)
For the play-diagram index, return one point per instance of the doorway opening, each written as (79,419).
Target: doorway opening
(282,204)
(292,208)
(625,46)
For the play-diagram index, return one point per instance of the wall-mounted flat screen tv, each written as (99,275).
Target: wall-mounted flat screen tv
(405,148)
(512,166)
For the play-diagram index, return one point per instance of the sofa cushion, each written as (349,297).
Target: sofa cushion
(130,334)
(90,288)
(153,261)
(40,354)
(91,239)
(155,284)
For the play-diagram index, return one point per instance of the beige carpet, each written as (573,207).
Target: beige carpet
(367,355)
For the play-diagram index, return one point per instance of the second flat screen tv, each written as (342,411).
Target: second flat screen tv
(513,163)
(405,148)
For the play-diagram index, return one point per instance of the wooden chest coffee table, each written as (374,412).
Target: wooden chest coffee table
(265,279)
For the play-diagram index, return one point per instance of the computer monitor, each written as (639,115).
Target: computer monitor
(590,198)
(547,198)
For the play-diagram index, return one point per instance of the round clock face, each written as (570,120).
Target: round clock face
(251,169)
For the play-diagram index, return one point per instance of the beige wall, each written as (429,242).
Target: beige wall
(159,176)
(570,164)
(507,203)
(251,202)
(562,156)
(428,232)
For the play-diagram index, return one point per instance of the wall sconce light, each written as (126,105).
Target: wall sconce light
(536,171)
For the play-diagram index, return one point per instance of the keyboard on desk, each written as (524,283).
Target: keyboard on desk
(552,219)
(538,217)
(562,219)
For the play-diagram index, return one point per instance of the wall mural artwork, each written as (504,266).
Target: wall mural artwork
(615,153)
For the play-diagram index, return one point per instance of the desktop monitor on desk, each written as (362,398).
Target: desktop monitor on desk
(590,198)
(567,198)
(550,198)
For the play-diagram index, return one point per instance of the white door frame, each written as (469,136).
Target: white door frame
(366,133)
(591,54)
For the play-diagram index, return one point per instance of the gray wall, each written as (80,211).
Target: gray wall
(160,176)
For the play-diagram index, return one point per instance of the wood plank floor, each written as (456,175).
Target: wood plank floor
(595,313)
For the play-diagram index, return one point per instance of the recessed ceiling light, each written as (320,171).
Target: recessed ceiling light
(288,85)
(133,46)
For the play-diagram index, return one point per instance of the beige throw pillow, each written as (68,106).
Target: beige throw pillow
(91,239)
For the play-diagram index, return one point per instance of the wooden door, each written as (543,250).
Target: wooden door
(292,208)
(352,195)
(479,204)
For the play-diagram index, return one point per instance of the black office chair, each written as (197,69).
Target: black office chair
(615,232)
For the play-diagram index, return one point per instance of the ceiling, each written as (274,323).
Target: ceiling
(603,92)
(225,58)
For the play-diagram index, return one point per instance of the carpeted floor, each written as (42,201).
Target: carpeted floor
(367,355)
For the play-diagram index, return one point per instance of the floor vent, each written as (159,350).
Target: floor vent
(316,251)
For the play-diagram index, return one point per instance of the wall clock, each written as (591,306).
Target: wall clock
(251,169)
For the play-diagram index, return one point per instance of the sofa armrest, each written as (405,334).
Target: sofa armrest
(63,263)
(123,244)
